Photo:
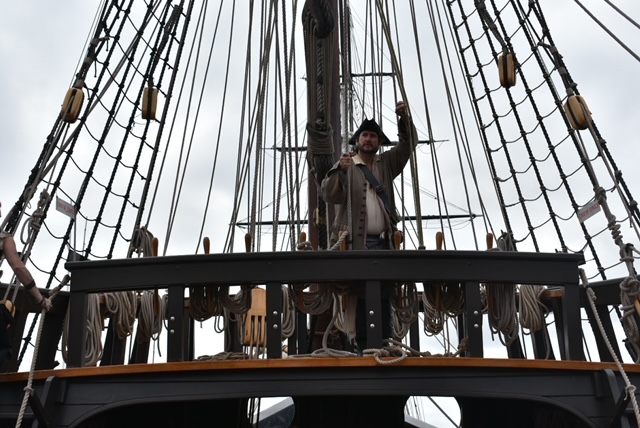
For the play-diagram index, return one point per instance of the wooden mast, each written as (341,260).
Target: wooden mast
(316,236)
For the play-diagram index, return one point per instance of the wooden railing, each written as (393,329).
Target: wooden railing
(271,270)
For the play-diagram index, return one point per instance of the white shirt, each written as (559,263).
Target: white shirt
(376,220)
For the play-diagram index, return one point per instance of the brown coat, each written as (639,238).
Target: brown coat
(387,166)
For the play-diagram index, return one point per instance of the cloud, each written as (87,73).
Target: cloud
(42,44)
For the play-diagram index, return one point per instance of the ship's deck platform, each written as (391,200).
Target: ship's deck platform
(361,390)
(331,392)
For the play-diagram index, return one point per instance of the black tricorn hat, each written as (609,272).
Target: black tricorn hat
(370,125)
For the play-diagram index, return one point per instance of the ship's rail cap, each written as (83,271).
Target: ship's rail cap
(325,266)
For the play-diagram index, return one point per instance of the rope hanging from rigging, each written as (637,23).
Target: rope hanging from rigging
(412,136)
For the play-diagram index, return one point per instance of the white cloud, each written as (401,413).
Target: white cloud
(41,44)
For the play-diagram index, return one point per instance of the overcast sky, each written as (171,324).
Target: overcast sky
(41,43)
(39,56)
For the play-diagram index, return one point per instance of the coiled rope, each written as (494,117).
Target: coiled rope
(501,305)
(122,308)
(394,348)
(93,350)
(406,308)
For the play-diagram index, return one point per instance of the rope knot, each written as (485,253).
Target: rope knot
(630,286)
(463,347)
(630,390)
(390,351)
(55,291)
(141,242)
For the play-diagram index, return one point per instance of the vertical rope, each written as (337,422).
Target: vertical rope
(412,138)
(28,390)
(630,389)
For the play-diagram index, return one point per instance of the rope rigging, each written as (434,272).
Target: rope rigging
(609,32)
(53,187)
(522,186)
(399,77)
(267,110)
(94,49)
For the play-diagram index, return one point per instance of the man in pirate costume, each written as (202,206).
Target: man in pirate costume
(9,252)
(364,178)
